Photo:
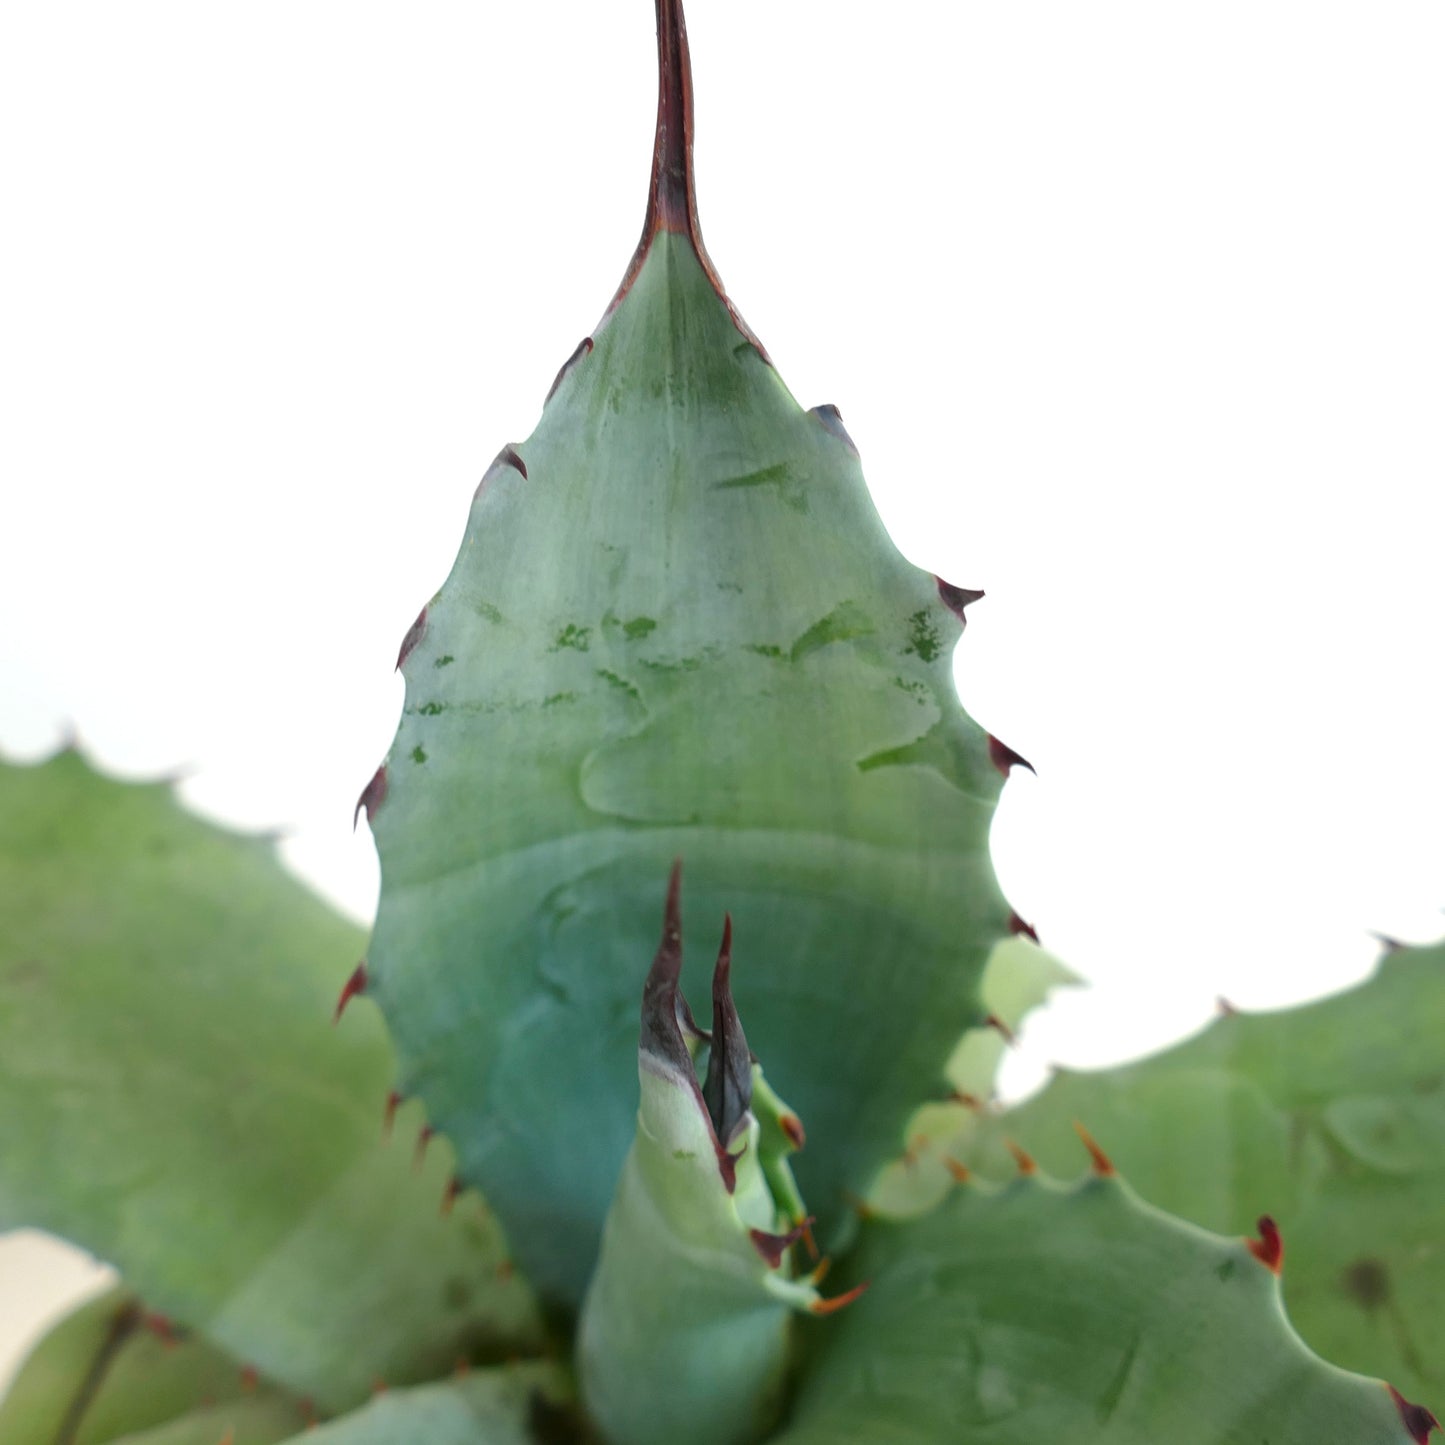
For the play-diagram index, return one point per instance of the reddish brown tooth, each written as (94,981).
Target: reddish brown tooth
(583,348)
(993,1021)
(393,1103)
(1419,1422)
(956,599)
(1017,926)
(961,1172)
(250,1379)
(1268,1249)
(353,986)
(449,1199)
(373,795)
(1004,758)
(792,1126)
(413,636)
(772,1247)
(1103,1165)
(424,1138)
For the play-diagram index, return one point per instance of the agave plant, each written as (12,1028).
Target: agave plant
(678,686)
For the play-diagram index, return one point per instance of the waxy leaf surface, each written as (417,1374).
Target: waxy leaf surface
(1031,1313)
(176,1101)
(108,1372)
(1329,1117)
(676,628)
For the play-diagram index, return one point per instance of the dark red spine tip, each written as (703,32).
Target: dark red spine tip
(414,635)
(772,1247)
(792,1126)
(373,795)
(1004,758)
(393,1103)
(1017,926)
(1268,1249)
(1418,1421)
(584,347)
(162,1328)
(424,1138)
(353,986)
(508,457)
(956,599)
(453,1191)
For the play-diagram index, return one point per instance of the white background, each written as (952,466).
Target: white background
(1136,312)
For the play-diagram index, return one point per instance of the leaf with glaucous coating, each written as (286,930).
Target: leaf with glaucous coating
(110,1370)
(685,1328)
(1330,1117)
(1026,1313)
(176,1102)
(677,627)
(521,1404)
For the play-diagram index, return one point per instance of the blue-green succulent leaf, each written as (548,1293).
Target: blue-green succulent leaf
(677,627)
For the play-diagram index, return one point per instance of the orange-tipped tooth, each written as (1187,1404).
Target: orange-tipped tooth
(961,1172)
(1268,1249)
(858,1205)
(229,1438)
(792,1126)
(353,986)
(250,1379)
(809,1243)
(838,1302)
(969,1101)
(1026,1161)
(1103,1165)
(820,1271)
(916,1146)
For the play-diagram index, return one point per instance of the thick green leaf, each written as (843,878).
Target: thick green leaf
(1330,1117)
(175,1100)
(677,627)
(512,1405)
(107,1371)
(1030,1314)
